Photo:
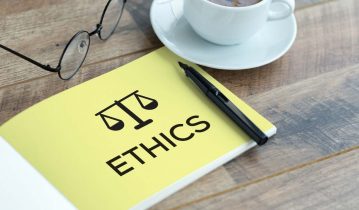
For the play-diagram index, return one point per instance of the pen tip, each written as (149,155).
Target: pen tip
(182,65)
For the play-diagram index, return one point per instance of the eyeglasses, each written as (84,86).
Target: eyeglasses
(76,49)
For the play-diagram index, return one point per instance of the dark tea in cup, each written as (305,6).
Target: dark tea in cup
(235,3)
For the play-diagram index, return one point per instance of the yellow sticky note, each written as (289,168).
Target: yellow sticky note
(130,137)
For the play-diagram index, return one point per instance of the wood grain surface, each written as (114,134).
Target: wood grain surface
(302,188)
(311,94)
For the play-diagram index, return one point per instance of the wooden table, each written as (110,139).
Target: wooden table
(311,95)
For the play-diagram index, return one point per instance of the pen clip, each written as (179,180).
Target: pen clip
(221,96)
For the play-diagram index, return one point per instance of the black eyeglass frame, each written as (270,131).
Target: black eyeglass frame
(97,31)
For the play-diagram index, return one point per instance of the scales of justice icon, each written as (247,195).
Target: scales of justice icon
(145,102)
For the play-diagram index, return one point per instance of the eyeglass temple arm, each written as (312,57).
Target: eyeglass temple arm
(45,67)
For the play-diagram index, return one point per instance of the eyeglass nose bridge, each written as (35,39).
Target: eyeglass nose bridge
(97,30)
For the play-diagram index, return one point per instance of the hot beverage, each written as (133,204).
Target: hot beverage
(230,22)
(235,3)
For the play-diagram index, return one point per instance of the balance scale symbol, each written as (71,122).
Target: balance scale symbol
(145,102)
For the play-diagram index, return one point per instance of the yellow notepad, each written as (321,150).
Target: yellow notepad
(131,137)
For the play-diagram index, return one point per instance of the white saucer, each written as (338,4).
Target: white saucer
(273,41)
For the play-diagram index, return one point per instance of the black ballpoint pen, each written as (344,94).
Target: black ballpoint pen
(225,105)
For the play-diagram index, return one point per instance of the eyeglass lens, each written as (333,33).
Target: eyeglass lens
(77,49)
(74,55)
(111,18)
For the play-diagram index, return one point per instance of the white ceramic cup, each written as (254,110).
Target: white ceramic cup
(225,25)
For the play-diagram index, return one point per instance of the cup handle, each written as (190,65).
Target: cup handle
(277,15)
